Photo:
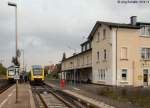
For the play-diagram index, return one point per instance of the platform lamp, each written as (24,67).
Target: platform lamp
(16,18)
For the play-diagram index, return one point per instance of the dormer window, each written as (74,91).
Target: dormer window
(145,31)
(88,46)
(83,48)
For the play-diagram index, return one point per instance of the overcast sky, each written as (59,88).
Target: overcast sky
(47,28)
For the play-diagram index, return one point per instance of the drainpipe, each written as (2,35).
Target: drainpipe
(133,71)
(116,54)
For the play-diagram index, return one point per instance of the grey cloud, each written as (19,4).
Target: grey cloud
(48,27)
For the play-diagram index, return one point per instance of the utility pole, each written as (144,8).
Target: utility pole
(17,51)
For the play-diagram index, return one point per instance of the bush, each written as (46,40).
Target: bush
(2,70)
(105,91)
(124,92)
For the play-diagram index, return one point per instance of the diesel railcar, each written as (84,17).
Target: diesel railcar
(36,74)
(10,74)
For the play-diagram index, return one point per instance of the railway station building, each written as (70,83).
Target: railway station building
(114,54)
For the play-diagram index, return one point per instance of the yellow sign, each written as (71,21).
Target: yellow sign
(139,77)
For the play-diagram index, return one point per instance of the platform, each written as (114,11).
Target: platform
(25,98)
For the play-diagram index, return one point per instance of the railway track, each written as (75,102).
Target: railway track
(4,87)
(75,101)
(47,97)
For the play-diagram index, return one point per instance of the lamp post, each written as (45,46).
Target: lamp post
(15,5)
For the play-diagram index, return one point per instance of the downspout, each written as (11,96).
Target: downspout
(133,71)
(116,55)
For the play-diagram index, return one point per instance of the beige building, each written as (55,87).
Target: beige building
(78,67)
(116,54)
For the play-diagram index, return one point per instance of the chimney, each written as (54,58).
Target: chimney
(133,20)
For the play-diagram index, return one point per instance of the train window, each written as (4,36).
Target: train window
(37,71)
(11,73)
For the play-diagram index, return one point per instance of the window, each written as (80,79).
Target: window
(83,61)
(98,36)
(145,31)
(88,46)
(123,53)
(104,34)
(78,62)
(104,74)
(124,74)
(104,54)
(37,71)
(11,72)
(145,53)
(101,74)
(71,64)
(84,48)
(98,56)
(87,59)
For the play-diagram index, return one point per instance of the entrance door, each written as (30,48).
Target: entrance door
(145,75)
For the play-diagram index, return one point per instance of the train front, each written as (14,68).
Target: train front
(37,74)
(10,74)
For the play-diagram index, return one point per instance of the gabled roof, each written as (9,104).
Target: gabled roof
(85,42)
(110,24)
(78,54)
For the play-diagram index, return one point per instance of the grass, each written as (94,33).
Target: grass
(136,96)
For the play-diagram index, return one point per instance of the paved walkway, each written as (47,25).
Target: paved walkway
(25,99)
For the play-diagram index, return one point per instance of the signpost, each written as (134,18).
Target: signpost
(17,78)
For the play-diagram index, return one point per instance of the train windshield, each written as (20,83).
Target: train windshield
(11,73)
(37,71)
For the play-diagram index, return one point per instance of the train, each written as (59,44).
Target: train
(36,75)
(10,74)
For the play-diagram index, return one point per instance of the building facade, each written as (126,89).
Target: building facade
(119,54)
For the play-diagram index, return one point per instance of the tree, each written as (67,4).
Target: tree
(15,61)
(57,71)
(2,70)
(64,56)
(46,68)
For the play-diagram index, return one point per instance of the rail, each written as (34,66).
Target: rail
(77,102)
(5,85)
(59,102)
